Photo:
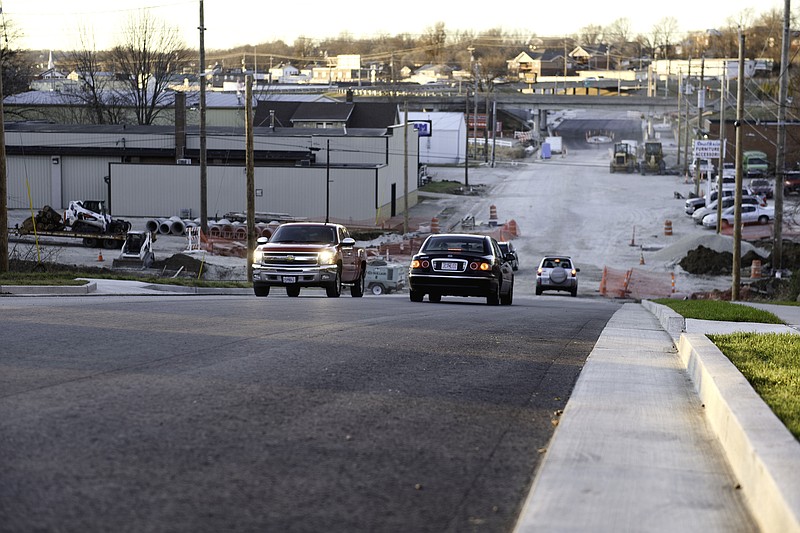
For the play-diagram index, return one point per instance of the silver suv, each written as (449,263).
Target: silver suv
(557,273)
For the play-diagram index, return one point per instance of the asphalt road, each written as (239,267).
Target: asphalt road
(193,413)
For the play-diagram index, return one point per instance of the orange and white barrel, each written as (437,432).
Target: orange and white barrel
(667,228)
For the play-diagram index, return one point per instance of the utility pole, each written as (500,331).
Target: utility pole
(3,184)
(780,156)
(701,103)
(405,167)
(680,122)
(722,106)
(737,202)
(466,139)
(203,164)
(250,171)
(686,132)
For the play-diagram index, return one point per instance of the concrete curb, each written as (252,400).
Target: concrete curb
(672,322)
(35,290)
(763,454)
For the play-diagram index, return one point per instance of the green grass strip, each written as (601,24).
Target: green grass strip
(771,363)
(719,310)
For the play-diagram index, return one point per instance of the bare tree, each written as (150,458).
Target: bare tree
(618,32)
(150,55)
(590,35)
(17,69)
(94,101)
(665,35)
(434,41)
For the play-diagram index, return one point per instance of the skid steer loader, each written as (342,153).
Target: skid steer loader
(137,251)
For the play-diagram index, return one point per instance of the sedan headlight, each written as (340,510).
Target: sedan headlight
(327,257)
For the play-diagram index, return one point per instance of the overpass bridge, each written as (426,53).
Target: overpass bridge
(455,100)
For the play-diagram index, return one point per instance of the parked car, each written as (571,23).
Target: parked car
(762,186)
(557,273)
(751,214)
(507,247)
(459,264)
(727,201)
(693,204)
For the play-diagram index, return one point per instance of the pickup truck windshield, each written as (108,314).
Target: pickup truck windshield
(305,234)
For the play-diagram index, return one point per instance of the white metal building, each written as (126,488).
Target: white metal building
(355,176)
(447,142)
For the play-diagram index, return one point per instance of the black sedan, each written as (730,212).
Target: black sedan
(461,265)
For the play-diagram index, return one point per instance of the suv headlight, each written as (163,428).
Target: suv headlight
(327,257)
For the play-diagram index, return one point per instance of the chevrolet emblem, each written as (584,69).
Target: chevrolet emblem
(290,258)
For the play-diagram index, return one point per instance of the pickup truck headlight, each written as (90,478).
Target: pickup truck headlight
(327,257)
(257,256)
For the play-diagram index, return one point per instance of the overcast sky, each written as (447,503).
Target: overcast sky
(53,24)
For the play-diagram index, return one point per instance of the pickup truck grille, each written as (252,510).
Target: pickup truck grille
(289,259)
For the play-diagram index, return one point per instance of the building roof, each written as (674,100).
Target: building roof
(354,115)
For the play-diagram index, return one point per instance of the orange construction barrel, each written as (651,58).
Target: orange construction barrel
(755,269)
(668,227)
(435,225)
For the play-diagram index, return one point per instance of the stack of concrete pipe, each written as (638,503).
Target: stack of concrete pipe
(222,228)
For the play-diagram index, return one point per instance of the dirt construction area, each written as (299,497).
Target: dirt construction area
(626,232)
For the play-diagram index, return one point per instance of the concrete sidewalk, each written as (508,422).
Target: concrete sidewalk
(659,439)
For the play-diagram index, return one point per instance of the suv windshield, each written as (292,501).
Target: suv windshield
(305,234)
(553,262)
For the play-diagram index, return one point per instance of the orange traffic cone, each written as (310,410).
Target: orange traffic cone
(100,257)
(641,259)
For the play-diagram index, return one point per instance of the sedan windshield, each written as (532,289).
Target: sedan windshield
(449,243)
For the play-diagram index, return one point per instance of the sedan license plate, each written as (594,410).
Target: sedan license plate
(289,279)
(449,265)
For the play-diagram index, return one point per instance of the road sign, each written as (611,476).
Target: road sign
(706,149)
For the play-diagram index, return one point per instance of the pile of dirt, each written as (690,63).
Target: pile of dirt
(179,262)
(710,262)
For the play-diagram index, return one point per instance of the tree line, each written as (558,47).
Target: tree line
(136,73)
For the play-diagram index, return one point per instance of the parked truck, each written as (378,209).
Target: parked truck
(309,254)
(83,219)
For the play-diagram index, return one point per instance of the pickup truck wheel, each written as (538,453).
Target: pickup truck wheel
(357,289)
(334,289)
(261,290)
(377,289)
(292,291)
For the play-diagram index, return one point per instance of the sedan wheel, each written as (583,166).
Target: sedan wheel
(494,298)
(434,298)
(416,296)
(507,298)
